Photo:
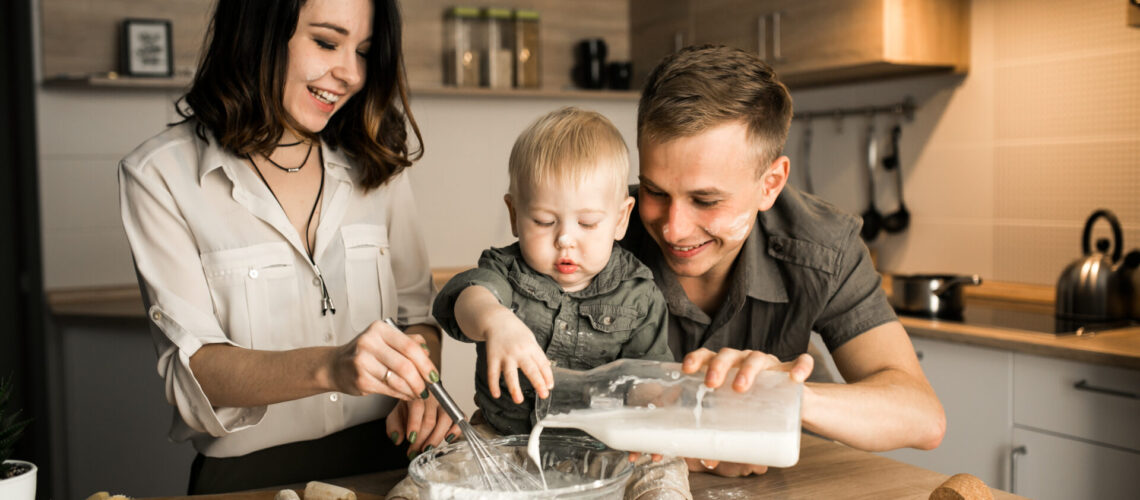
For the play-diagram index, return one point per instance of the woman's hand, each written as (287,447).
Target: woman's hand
(511,348)
(422,423)
(750,363)
(383,360)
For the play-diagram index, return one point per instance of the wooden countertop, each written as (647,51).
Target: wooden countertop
(1114,348)
(826,470)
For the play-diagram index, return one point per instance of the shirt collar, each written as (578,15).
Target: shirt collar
(760,268)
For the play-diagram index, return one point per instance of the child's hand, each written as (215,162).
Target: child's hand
(511,348)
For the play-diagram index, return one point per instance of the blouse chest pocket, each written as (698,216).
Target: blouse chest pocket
(368,274)
(604,330)
(255,292)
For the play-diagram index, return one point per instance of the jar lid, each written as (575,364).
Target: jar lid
(462,12)
(497,13)
(526,14)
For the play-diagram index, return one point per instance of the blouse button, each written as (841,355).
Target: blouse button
(316,282)
(328,337)
(333,397)
(383,251)
(253,273)
(157,316)
(607,320)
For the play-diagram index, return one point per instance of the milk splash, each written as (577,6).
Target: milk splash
(532,452)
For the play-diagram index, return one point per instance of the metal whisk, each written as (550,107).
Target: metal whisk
(496,477)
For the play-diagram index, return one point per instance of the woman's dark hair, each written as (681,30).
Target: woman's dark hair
(237,91)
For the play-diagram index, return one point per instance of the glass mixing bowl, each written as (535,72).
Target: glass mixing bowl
(577,467)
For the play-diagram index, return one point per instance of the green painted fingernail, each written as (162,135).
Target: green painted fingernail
(450,438)
(395,437)
(411,454)
(433,377)
(425,347)
(427,448)
(412,438)
(424,395)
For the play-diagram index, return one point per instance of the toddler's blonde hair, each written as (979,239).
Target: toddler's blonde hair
(566,146)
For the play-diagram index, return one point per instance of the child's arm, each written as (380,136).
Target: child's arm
(510,344)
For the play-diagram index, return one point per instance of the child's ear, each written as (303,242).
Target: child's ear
(623,223)
(511,212)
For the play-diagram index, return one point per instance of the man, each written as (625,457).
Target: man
(750,266)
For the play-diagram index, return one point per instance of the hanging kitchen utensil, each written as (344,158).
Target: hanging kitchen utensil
(806,163)
(899,219)
(1090,288)
(872,218)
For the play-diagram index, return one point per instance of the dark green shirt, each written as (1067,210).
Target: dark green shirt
(620,314)
(802,268)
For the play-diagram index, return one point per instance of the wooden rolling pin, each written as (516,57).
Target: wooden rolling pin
(962,487)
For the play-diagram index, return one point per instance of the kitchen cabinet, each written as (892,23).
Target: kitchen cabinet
(974,386)
(1076,430)
(814,42)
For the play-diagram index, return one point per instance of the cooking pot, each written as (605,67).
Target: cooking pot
(932,295)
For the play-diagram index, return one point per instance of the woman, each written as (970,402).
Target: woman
(272,231)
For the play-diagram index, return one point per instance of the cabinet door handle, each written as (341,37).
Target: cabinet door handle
(1013,454)
(776,52)
(919,355)
(1083,385)
(762,37)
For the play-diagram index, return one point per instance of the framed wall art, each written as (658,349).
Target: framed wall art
(146,48)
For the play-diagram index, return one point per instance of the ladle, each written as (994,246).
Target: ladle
(872,218)
(899,219)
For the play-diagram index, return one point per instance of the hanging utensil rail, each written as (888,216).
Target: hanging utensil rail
(905,109)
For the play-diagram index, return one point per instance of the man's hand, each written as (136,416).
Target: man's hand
(750,363)
(726,469)
(511,348)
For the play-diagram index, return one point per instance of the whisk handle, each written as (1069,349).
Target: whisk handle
(446,402)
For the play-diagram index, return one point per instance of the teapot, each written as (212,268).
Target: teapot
(1091,288)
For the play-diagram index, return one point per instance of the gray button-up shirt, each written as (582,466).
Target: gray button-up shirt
(802,268)
(620,314)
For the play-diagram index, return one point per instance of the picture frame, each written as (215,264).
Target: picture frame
(147,48)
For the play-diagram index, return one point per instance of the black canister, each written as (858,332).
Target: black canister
(590,63)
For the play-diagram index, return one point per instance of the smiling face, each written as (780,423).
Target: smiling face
(699,197)
(327,56)
(567,230)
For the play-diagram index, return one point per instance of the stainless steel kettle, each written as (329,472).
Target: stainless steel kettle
(1091,289)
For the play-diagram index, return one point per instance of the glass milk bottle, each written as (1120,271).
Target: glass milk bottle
(650,406)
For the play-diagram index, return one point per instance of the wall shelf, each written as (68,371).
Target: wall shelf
(117,82)
(439,91)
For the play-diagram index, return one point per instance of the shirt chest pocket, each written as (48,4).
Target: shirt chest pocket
(603,331)
(368,274)
(256,296)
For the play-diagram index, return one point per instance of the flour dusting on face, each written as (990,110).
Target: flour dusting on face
(316,73)
(565,240)
(734,230)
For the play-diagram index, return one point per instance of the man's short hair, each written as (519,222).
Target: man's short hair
(699,88)
(566,146)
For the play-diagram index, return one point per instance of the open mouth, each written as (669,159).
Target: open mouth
(324,95)
(687,251)
(566,266)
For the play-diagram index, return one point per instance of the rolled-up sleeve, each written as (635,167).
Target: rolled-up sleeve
(414,286)
(176,295)
(857,301)
(491,274)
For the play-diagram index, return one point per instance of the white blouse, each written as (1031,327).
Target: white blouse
(219,262)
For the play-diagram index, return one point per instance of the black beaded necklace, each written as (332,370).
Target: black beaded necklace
(291,170)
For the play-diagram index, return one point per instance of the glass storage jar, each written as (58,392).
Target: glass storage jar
(497,65)
(526,55)
(463,46)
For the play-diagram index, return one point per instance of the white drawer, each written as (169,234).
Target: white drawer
(1097,403)
(1050,467)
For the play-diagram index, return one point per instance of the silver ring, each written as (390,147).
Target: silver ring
(385,377)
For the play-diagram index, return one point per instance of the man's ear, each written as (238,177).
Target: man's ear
(772,182)
(623,221)
(511,214)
